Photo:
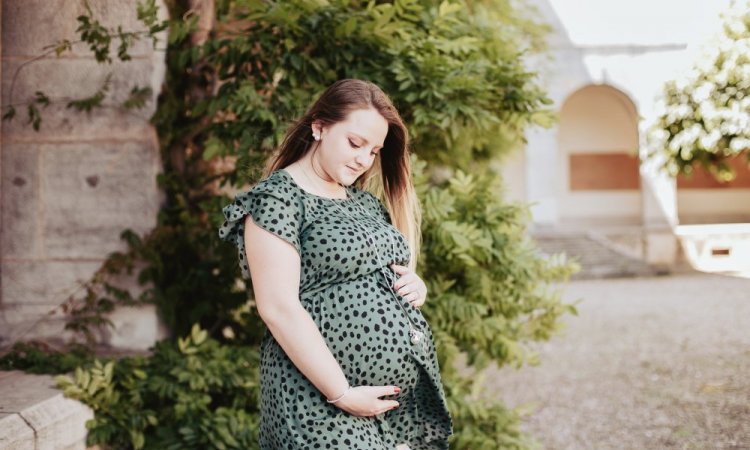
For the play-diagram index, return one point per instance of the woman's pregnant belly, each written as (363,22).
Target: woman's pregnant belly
(367,332)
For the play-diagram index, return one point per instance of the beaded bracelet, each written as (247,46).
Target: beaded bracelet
(340,396)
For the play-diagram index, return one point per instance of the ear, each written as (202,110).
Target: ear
(317,126)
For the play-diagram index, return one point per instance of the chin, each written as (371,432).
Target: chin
(348,181)
(348,178)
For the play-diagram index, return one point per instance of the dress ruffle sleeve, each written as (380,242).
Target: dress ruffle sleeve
(273,209)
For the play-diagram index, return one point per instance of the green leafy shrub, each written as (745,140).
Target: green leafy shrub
(488,297)
(192,394)
(38,357)
(489,290)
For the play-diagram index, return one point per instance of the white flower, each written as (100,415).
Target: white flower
(702,92)
(711,139)
(739,144)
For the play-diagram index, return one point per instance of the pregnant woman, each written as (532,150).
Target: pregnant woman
(347,360)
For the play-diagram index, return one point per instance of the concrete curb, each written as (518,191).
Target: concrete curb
(35,415)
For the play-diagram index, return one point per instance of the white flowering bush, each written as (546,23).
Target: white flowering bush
(706,117)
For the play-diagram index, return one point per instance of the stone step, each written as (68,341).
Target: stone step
(35,415)
(597,259)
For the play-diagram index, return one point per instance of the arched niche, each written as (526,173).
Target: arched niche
(599,166)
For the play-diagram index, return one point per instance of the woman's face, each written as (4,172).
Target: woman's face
(348,148)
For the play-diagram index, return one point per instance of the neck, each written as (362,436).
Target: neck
(318,177)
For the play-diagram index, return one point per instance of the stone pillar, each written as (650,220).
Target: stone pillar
(2,103)
(542,175)
(659,193)
(69,189)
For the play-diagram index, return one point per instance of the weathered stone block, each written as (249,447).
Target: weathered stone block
(66,79)
(135,328)
(93,192)
(59,423)
(20,207)
(30,25)
(32,293)
(56,422)
(31,287)
(19,321)
(43,282)
(15,434)
(20,391)
(64,125)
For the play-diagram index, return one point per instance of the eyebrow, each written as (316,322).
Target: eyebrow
(366,141)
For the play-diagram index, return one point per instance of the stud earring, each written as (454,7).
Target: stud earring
(316,137)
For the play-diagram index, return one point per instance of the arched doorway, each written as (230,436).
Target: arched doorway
(599,167)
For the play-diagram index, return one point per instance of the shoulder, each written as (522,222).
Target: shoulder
(275,205)
(374,204)
(365,196)
(266,197)
(275,188)
(277,183)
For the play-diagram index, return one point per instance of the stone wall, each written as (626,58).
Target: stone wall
(69,189)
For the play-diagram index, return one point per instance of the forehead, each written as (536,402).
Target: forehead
(367,123)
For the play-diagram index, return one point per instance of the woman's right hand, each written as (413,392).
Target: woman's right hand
(366,401)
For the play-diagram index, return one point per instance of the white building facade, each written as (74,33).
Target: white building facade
(589,173)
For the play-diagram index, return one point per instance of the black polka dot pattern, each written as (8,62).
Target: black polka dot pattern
(343,290)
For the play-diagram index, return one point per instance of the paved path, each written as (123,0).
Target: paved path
(649,363)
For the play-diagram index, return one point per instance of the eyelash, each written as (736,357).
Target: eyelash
(357,146)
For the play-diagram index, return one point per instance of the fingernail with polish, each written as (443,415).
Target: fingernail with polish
(397,390)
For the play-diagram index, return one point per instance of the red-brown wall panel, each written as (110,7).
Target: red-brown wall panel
(604,171)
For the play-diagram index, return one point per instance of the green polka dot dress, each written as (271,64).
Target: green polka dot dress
(343,290)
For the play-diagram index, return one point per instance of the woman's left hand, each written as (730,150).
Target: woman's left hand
(409,286)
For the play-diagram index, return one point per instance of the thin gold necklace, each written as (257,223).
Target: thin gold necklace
(302,168)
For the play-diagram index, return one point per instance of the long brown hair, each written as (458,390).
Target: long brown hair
(390,175)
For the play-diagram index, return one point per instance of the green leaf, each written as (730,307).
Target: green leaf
(214,147)
(10,113)
(199,336)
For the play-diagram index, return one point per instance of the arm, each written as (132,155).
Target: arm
(275,271)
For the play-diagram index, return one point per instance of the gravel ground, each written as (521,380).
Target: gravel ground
(649,363)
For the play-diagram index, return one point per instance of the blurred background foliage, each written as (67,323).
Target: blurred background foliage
(706,117)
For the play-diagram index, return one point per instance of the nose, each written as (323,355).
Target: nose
(363,157)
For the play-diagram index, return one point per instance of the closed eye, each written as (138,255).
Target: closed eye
(373,153)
